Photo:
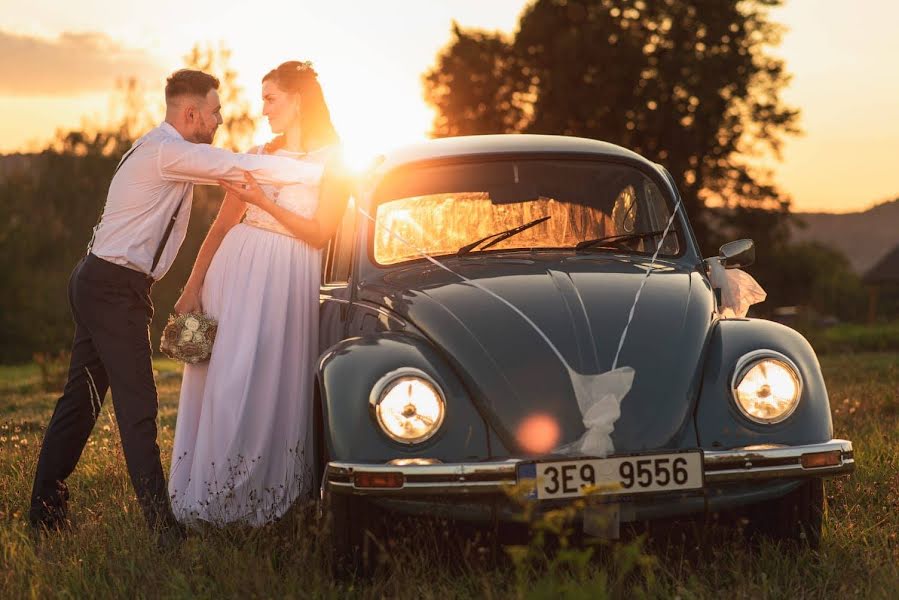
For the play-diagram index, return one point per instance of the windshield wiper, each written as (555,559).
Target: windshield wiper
(498,237)
(618,239)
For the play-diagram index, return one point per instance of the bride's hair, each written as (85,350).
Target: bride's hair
(296,77)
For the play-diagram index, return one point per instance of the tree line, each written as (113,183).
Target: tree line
(49,207)
(690,84)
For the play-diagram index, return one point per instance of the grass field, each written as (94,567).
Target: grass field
(110,554)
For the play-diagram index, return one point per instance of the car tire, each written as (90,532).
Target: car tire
(355,535)
(795,518)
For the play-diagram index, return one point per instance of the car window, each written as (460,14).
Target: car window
(338,262)
(440,209)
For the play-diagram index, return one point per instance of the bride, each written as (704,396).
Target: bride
(243,439)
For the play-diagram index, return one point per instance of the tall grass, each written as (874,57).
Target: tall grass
(109,553)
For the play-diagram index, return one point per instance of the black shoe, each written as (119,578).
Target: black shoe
(43,522)
(49,511)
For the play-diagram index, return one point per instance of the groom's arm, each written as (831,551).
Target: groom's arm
(180,160)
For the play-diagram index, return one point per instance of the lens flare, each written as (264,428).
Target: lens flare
(538,433)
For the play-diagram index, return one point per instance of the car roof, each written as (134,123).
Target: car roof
(513,143)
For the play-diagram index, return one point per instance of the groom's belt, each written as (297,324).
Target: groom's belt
(109,270)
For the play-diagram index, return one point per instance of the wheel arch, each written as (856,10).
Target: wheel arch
(720,424)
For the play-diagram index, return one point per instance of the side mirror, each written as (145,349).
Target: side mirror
(739,253)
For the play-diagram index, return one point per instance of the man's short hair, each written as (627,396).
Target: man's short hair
(189,82)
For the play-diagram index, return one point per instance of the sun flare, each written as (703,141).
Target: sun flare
(367,127)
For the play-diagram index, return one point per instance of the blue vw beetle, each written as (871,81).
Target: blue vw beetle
(472,281)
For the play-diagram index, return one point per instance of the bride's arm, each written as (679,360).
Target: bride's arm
(333,197)
(230,213)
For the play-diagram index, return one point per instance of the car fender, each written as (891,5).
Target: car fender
(347,374)
(721,424)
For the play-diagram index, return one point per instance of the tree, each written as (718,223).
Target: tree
(47,211)
(814,276)
(687,83)
(236,132)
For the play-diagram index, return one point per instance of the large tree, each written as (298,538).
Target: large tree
(687,83)
(236,132)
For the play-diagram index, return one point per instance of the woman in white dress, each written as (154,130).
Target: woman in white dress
(243,440)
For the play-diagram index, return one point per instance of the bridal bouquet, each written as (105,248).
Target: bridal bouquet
(189,337)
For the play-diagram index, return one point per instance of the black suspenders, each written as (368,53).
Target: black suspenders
(168,228)
(127,155)
(168,232)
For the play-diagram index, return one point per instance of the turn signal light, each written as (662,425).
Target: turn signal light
(820,459)
(378,480)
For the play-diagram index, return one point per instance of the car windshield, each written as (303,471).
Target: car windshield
(504,205)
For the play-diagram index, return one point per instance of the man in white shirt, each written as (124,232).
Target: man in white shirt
(142,227)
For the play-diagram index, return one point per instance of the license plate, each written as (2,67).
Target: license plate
(616,475)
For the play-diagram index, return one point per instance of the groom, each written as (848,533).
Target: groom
(140,231)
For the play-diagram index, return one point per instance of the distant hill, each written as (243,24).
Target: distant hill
(864,237)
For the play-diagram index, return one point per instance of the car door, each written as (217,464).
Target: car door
(335,290)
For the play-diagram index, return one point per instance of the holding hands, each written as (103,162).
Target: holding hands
(250,192)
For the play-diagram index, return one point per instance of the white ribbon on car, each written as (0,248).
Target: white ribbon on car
(600,402)
(739,290)
(599,395)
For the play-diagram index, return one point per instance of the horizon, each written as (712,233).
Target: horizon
(370,62)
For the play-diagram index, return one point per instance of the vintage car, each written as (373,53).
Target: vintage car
(468,281)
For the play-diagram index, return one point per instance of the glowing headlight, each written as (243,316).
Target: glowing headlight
(408,405)
(766,386)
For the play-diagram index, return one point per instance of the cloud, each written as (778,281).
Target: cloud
(71,64)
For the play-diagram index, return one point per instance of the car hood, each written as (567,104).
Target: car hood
(581,303)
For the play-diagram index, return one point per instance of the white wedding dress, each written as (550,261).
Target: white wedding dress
(243,440)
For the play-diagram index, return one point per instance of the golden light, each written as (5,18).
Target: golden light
(369,123)
(411,410)
(768,391)
(538,434)
(376,116)
(359,156)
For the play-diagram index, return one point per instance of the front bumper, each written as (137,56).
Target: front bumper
(751,463)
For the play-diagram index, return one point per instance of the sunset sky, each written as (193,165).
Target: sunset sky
(61,61)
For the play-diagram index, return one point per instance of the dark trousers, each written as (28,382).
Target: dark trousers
(112,311)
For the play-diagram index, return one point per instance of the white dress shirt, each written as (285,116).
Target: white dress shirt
(161,169)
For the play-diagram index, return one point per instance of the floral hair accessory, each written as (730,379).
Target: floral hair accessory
(305,65)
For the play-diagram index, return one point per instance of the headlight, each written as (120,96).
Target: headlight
(408,405)
(766,386)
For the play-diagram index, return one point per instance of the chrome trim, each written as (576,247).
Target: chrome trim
(773,462)
(458,478)
(380,389)
(751,463)
(749,360)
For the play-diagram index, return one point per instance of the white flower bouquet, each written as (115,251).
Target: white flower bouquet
(189,337)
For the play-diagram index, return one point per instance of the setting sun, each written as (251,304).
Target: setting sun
(368,124)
